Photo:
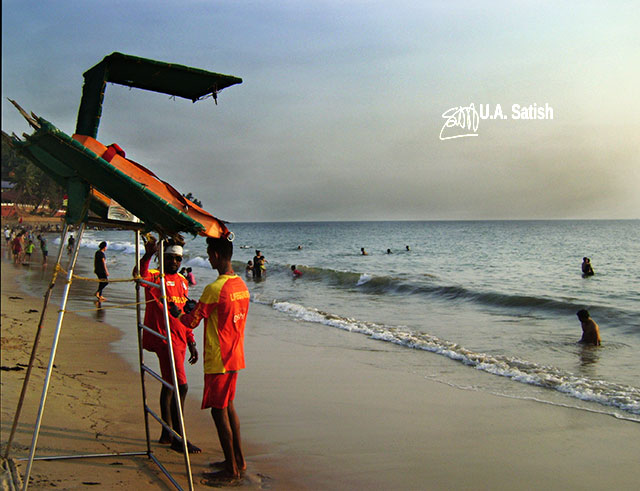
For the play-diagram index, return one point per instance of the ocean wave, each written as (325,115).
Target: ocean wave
(123,247)
(623,397)
(429,286)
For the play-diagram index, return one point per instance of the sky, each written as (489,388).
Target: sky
(340,113)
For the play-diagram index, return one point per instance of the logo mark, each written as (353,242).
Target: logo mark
(464,118)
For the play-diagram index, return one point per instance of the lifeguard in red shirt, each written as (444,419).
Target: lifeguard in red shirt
(224,305)
(181,337)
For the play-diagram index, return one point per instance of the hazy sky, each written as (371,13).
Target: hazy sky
(341,107)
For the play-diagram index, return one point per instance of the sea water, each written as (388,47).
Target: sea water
(486,305)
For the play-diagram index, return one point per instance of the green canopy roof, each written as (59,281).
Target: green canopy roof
(132,71)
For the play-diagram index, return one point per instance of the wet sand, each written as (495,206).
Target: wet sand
(317,412)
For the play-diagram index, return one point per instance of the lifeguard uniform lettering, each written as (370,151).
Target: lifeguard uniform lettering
(224,305)
(177,291)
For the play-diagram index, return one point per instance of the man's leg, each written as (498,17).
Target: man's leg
(182,389)
(101,286)
(225,435)
(234,425)
(166,397)
(234,422)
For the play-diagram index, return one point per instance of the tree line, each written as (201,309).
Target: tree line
(31,185)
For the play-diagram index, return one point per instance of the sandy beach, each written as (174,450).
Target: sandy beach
(317,412)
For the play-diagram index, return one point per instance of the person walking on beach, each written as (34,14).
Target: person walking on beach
(177,292)
(70,243)
(7,239)
(224,305)
(28,251)
(590,329)
(100,269)
(587,269)
(17,246)
(44,249)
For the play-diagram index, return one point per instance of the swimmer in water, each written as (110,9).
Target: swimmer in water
(590,330)
(587,269)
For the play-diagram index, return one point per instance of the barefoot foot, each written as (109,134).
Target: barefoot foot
(177,446)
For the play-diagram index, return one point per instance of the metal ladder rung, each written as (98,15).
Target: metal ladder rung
(148,283)
(164,425)
(158,377)
(155,333)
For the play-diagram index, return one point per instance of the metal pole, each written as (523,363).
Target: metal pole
(52,357)
(23,392)
(140,333)
(165,309)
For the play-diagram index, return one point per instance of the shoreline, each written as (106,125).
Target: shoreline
(317,412)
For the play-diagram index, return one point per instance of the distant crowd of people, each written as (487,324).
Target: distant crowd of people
(21,246)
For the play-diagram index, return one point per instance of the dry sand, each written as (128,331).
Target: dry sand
(317,412)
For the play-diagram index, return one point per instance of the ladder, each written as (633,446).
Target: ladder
(144,370)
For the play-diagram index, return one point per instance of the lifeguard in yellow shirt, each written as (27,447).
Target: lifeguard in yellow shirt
(224,305)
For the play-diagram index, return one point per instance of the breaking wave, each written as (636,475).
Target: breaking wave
(623,397)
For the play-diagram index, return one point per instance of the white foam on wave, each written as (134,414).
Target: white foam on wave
(197,262)
(124,247)
(609,394)
(364,278)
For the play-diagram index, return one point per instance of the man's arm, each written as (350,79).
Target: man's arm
(193,318)
(596,330)
(150,248)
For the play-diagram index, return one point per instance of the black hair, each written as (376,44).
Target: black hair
(102,245)
(176,240)
(583,314)
(221,245)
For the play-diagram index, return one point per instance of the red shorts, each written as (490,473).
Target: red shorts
(219,389)
(165,365)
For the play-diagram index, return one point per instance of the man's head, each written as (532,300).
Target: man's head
(173,256)
(219,250)
(103,245)
(583,315)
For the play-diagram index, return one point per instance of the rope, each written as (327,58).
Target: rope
(109,307)
(98,280)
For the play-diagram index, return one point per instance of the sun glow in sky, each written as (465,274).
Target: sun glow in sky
(340,110)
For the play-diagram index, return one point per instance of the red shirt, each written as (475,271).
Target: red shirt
(177,291)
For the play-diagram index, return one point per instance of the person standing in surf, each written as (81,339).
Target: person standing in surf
(590,329)
(587,269)
(100,269)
